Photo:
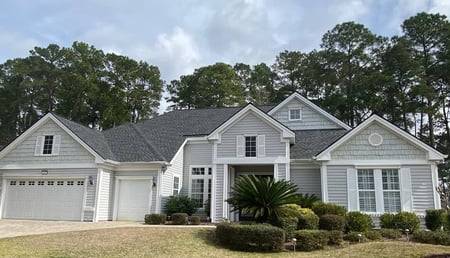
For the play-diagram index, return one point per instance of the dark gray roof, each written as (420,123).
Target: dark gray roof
(159,138)
(94,138)
(309,143)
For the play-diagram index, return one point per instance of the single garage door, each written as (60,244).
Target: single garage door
(134,199)
(59,199)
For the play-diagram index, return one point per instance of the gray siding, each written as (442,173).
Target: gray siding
(218,206)
(282,171)
(393,147)
(251,124)
(195,154)
(105,205)
(337,185)
(422,188)
(311,119)
(176,168)
(70,150)
(308,180)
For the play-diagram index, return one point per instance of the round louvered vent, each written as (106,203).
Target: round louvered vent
(375,139)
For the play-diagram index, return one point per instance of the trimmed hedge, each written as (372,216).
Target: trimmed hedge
(387,221)
(390,233)
(357,221)
(332,222)
(155,218)
(194,220)
(432,237)
(255,237)
(335,237)
(322,208)
(308,221)
(434,219)
(310,240)
(179,218)
(373,235)
(180,204)
(289,225)
(406,220)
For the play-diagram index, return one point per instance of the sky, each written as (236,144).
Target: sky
(179,36)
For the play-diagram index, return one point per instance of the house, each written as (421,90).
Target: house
(61,170)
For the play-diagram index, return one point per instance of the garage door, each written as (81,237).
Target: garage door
(134,199)
(44,199)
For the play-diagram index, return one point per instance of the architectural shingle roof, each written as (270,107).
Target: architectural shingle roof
(159,138)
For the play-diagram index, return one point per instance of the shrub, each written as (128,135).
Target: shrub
(194,220)
(406,220)
(387,221)
(373,235)
(179,218)
(357,221)
(180,204)
(335,237)
(306,211)
(308,221)
(355,237)
(390,233)
(309,240)
(289,225)
(155,219)
(332,222)
(208,207)
(432,237)
(322,208)
(447,221)
(255,237)
(434,219)
(307,200)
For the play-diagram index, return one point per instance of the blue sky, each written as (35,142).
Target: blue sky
(181,35)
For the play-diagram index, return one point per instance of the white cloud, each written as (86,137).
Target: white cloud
(14,45)
(441,6)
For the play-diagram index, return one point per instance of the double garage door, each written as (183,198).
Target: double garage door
(50,199)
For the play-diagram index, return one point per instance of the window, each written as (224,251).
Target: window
(60,183)
(50,183)
(176,185)
(47,145)
(21,182)
(295,114)
(200,185)
(40,182)
(250,146)
(30,182)
(80,182)
(12,183)
(391,190)
(366,190)
(69,182)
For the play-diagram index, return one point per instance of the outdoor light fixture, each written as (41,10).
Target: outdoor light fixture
(44,172)
(154,181)
(91,180)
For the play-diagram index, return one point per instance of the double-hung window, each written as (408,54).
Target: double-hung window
(250,145)
(366,190)
(176,185)
(47,145)
(201,180)
(295,114)
(391,190)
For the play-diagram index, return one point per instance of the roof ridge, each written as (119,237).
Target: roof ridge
(139,132)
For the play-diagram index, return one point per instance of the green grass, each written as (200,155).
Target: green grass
(179,242)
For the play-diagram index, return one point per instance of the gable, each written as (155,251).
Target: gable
(363,146)
(250,124)
(70,150)
(312,116)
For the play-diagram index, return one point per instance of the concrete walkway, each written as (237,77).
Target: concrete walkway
(12,228)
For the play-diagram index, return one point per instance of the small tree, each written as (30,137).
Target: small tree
(180,204)
(263,198)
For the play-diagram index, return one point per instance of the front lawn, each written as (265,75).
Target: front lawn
(179,242)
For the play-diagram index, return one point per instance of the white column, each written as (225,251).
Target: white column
(324,182)
(225,190)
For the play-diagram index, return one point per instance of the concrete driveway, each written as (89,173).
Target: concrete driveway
(12,228)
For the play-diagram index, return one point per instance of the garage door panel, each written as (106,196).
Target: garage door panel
(134,199)
(44,199)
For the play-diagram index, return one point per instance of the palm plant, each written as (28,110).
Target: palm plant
(263,197)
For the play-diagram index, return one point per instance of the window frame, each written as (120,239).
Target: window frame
(176,189)
(207,182)
(300,114)
(42,147)
(254,153)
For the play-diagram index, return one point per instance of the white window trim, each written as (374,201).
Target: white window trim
(379,192)
(297,119)
(40,140)
(205,178)
(260,146)
(173,185)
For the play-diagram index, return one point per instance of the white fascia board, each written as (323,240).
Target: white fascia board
(154,165)
(48,166)
(311,105)
(286,132)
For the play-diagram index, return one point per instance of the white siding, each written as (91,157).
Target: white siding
(337,185)
(308,180)
(105,205)
(176,168)
(218,206)
(393,147)
(422,188)
(311,119)
(281,172)
(195,154)
(251,124)
(70,150)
